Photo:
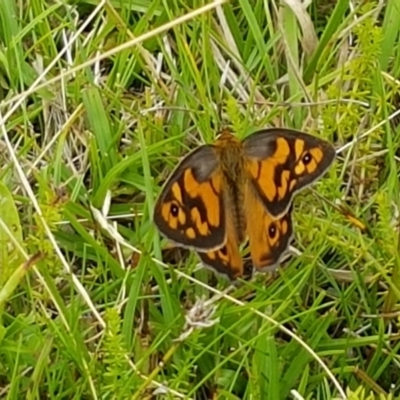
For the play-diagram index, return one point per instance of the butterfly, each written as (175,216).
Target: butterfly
(223,193)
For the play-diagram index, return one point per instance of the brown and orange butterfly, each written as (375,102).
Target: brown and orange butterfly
(223,193)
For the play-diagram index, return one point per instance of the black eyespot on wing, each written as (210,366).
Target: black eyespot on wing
(307,157)
(223,250)
(174,210)
(272,231)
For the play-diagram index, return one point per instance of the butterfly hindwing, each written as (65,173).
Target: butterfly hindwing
(281,162)
(227,259)
(269,237)
(190,209)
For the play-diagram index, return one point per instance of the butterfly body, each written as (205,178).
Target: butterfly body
(235,178)
(221,194)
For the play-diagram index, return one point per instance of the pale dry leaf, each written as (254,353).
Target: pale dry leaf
(310,40)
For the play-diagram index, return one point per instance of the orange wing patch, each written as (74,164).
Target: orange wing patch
(208,191)
(265,171)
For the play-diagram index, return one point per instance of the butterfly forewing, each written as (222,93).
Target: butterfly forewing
(281,162)
(190,209)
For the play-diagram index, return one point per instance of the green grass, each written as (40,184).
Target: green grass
(90,131)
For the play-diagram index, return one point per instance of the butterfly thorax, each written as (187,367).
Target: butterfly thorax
(231,158)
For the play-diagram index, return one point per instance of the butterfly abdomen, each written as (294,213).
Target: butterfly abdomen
(234,200)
